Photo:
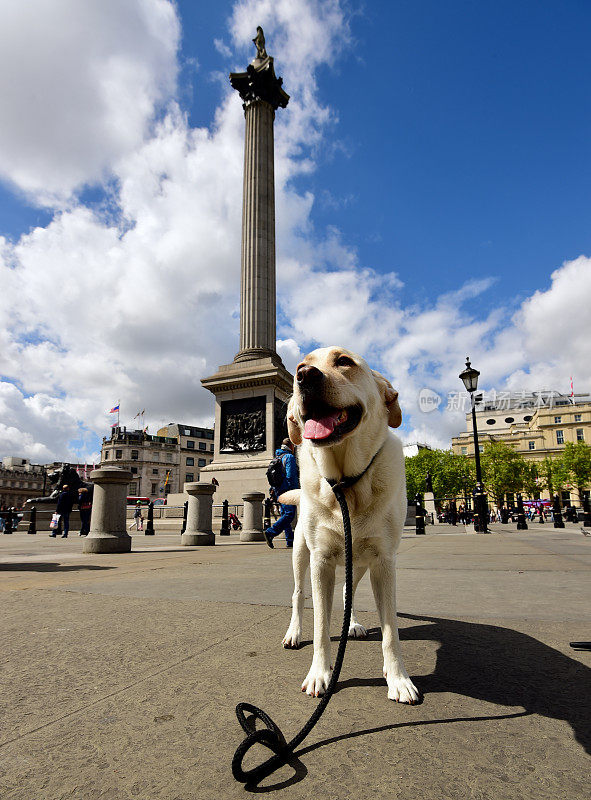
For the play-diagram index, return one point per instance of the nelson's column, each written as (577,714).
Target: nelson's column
(252,391)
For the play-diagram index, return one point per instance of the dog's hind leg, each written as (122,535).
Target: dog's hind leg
(356,630)
(383,583)
(301,562)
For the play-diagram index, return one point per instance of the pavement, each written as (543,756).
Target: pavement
(120,673)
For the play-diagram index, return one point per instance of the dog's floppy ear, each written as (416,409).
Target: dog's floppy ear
(390,396)
(293,428)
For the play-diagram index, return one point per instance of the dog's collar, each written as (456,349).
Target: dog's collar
(347,481)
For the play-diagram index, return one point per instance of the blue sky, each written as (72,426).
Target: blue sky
(432,186)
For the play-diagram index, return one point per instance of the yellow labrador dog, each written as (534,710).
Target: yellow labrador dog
(339,416)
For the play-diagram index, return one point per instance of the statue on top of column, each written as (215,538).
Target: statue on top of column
(259,41)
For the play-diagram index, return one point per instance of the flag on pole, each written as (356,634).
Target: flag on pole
(572,391)
(146,428)
(167,477)
(114,424)
(137,415)
(115,409)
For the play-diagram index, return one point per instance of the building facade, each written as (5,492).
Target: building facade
(537,425)
(20,480)
(160,464)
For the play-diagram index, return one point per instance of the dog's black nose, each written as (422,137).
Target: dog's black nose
(308,377)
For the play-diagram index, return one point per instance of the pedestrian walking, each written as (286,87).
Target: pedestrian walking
(283,475)
(65,501)
(138,520)
(85,508)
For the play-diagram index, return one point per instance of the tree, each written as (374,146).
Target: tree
(502,469)
(577,462)
(450,473)
(529,478)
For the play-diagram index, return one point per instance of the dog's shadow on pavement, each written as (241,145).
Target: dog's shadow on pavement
(502,666)
(487,662)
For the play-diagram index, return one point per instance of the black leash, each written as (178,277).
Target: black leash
(271,735)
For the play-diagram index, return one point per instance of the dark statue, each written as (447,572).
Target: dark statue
(429,483)
(259,42)
(65,476)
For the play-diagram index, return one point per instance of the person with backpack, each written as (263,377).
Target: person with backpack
(283,475)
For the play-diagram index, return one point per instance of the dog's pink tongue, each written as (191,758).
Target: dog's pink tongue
(319,428)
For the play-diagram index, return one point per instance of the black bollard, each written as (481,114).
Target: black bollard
(185,511)
(521,523)
(33,521)
(8,521)
(558,522)
(420,517)
(266,514)
(150,523)
(586,512)
(225,529)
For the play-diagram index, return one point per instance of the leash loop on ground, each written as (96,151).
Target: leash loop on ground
(271,736)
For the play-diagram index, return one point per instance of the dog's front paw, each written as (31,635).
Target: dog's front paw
(292,639)
(401,688)
(357,631)
(317,681)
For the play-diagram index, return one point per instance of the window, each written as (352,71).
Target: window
(189,477)
(134,470)
(154,487)
(509,419)
(491,422)
(577,417)
(557,420)
(464,450)
(202,446)
(154,472)
(118,453)
(190,461)
(133,488)
(135,455)
(532,445)
(107,455)
(190,445)
(481,448)
(211,448)
(580,435)
(527,418)
(187,432)
(566,497)
(169,457)
(201,462)
(559,437)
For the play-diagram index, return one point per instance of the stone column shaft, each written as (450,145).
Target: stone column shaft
(257,289)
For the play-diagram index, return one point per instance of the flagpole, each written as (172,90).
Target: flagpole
(118,405)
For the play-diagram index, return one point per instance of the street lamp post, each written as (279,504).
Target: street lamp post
(469,377)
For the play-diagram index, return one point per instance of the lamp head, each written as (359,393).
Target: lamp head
(470,377)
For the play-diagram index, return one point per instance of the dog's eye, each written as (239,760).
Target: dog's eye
(345,361)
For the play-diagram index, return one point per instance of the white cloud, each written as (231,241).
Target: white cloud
(138,304)
(79,83)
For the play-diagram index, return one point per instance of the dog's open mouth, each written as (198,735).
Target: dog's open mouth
(327,425)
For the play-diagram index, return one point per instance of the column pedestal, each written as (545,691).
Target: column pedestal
(108,522)
(199,515)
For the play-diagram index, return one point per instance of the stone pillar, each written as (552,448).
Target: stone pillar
(262,93)
(430,506)
(108,522)
(252,522)
(257,284)
(199,515)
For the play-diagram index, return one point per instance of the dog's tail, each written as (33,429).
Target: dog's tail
(290,498)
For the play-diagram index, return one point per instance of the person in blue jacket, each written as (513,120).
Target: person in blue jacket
(291,480)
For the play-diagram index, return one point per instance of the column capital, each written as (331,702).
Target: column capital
(259,83)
